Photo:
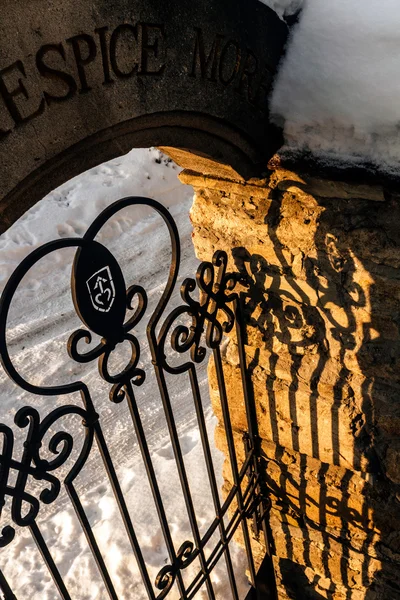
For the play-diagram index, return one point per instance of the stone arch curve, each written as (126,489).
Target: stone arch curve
(83,82)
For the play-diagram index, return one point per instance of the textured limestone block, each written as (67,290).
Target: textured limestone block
(320,277)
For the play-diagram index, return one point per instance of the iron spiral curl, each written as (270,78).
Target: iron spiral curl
(32,464)
(211,316)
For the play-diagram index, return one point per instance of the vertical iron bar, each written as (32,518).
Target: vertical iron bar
(113,479)
(233,459)
(211,474)
(5,588)
(254,436)
(48,559)
(152,338)
(105,454)
(91,540)
(182,473)
(144,449)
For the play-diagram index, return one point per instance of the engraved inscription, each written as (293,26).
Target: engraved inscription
(67,69)
(227,62)
(73,67)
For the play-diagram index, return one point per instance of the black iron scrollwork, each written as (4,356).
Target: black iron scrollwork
(110,310)
(215,286)
(33,465)
(167,576)
(103,351)
(101,301)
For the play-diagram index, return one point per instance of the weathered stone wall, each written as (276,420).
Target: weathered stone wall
(321,275)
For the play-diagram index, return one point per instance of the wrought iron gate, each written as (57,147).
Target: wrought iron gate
(101,301)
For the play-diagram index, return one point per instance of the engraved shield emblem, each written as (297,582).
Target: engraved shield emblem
(101,289)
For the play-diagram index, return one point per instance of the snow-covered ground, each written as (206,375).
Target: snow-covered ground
(338,89)
(41,319)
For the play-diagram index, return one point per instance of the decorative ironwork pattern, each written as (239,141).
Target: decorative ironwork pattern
(102,301)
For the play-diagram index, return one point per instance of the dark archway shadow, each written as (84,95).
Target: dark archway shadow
(197,135)
(294,579)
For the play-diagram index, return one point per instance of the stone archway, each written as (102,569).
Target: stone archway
(82,83)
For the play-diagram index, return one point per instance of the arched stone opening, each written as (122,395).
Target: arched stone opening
(195,141)
(83,84)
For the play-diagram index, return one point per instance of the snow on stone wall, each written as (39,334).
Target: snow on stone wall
(338,87)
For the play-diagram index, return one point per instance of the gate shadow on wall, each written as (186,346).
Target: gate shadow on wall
(329,356)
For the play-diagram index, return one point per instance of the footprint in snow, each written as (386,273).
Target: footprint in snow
(188,442)
(70,229)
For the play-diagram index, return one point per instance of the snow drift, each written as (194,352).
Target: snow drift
(338,89)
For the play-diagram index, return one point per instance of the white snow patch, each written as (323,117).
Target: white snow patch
(338,88)
(69,210)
